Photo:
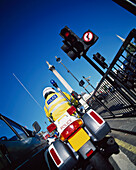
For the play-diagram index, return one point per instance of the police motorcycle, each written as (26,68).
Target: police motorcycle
(81,142)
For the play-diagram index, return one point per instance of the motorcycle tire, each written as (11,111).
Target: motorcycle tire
(98,162)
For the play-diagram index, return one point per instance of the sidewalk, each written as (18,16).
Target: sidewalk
(123,124)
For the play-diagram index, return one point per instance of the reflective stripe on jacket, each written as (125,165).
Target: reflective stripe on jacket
(57,105)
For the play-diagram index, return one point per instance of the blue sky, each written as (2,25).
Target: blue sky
(29,36)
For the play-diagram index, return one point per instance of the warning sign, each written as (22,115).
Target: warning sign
(88,36)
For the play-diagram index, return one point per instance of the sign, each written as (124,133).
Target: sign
(88,36)
(52,99)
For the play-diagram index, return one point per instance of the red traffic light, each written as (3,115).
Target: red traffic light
(67,34)
(64,32)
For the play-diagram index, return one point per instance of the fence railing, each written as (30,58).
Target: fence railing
(117,88)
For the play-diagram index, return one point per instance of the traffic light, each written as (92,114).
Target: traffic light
(73,45)
(81,83)
(100,60)
(76,95)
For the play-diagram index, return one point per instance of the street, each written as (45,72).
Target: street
(126,159)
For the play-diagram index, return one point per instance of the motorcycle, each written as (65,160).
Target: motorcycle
(81,142)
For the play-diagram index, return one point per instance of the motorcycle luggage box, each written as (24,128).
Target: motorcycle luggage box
(62,155)
(96,125)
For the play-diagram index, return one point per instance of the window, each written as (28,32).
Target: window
(6,131)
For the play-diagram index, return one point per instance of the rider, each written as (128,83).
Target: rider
(55,103)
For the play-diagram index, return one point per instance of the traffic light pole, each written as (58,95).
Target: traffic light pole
(93,64)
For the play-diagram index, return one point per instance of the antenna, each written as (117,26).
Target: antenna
(27,91)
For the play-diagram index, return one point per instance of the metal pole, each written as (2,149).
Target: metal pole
(67,69)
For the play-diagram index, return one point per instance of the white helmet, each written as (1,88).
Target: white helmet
(47,91)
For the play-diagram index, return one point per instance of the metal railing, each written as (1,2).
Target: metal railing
(117,88)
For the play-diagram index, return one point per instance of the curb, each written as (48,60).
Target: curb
(124,131)
(127,125)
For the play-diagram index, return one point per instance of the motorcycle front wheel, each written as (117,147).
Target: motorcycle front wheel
(98,162)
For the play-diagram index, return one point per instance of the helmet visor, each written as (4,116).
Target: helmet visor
(46,95)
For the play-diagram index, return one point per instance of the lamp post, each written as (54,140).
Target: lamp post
(60,61)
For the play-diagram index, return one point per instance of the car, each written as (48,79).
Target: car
(21,148)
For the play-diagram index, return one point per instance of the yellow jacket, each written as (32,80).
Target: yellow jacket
(56,105)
